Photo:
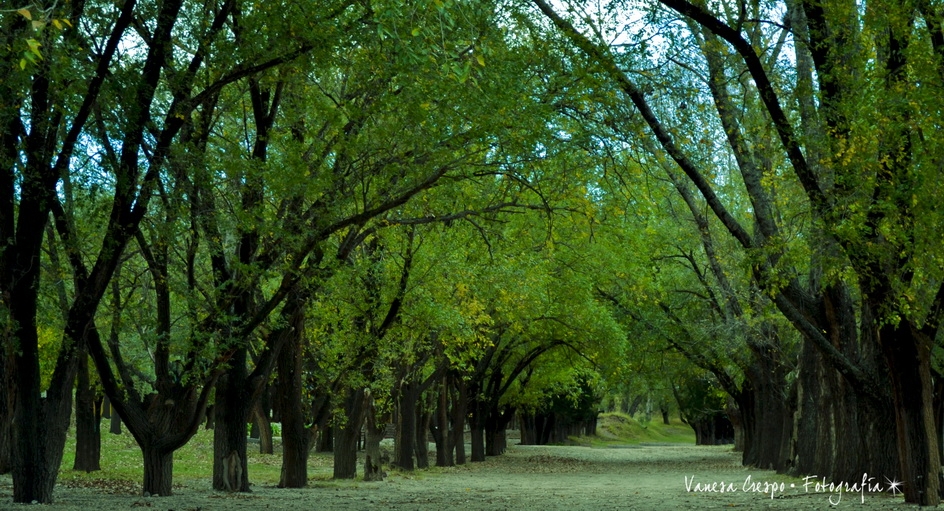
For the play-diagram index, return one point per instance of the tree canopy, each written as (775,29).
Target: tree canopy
(433,213)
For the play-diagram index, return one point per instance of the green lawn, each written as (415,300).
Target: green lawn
(619,428)
(193,463)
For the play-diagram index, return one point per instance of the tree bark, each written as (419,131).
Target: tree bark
(496,424)
(909,357)
(40,423)
(459,409)
(158,471)
(804,440)
(6,408)
(326,439)
(88,434)
(423,420)
(232,408)
(444,449)
(345,437)
(114,426)
(373,468)
(296,439)
(478,442)
(406,426)
(263,426)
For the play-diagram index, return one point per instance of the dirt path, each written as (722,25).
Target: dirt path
(648,477)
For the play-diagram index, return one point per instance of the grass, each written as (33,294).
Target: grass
(619,428)
(193,463)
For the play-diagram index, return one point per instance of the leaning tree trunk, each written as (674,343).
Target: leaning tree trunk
(232,408)
(88,434)
(263,424)
(345,438)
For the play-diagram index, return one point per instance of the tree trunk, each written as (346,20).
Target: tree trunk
(909,361)
(496,441)
(231,409)
(6,408)
(263,426)
(114,426)
(210,417)
(373,468)
(526,428)
(158,471)
(88,434)
(803,442)
(459,409)
(33,478)
(296,439)
(444,452)
(741,424)
(939,412)
(765,409)
(478,442)
(634,405)
(496,424)
(326,439)
(406,426)
(423,419)
(39,424)
(345,439)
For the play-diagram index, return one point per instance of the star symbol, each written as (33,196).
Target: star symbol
(894,485)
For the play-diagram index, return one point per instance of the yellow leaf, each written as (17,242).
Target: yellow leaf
(25,13)
(481,60)
(56,24)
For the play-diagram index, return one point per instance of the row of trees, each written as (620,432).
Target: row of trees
(201,197)
(444,213)
(798,136)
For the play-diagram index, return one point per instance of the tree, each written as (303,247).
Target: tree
(119,112)
(45,129)
(861,183)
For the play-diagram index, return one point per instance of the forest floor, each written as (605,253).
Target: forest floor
(624,477)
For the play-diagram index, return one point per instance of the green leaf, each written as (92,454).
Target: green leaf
(34,47)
